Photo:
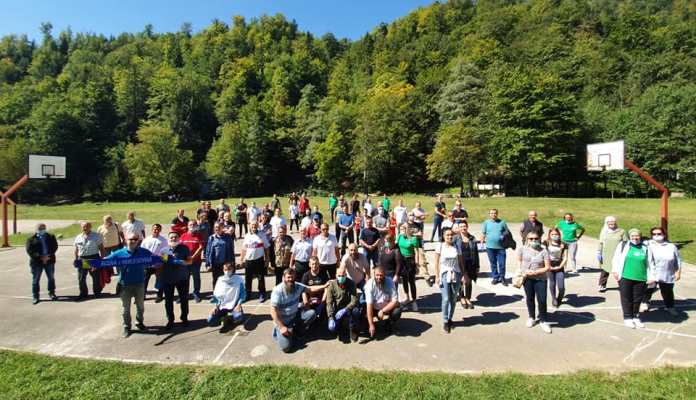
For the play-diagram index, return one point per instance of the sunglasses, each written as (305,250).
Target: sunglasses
(132,240)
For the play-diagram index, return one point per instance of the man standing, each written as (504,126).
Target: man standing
(355,206)
(282,246)
(381,223)
(531,224)
(370,241)
(438,218)
(460,215)
(112,239)
(132,280)
(175,275)
(290,321)
(381,299)
(193,241)
(156,244)
(253,213)
(386,204)
(132,225)
(356,266)
(275,203)
(88,245)
(342,308)
(399,214)
(222,207)
(333,203)
(254,251)
(492,231)
(180,222)
(304,204)
(345,224)
(325,248)
(218,251)
(241,213)
(41,248)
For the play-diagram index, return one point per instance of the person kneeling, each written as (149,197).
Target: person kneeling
(289,319)
(229,294)
(342,306)
(381,299)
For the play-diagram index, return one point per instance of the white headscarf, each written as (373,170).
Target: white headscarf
(605,228)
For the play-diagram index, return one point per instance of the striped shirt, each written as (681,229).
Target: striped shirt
(88,245)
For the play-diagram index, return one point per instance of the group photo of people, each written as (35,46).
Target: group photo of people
(351,270)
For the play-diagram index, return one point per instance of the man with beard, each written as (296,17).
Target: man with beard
(382,303)
(342,308)
(290,320)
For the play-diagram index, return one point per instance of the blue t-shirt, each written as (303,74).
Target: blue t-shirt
(132,274)
(287,304)
(493,230)
(346,220)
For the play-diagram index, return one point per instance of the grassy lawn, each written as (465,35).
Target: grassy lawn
(640,213)
(33,376)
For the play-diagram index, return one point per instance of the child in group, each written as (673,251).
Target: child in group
(229,294)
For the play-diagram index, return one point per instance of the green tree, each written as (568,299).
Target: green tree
(227,161)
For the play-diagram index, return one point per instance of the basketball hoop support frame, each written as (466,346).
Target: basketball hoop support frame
(5,201)
(664,208)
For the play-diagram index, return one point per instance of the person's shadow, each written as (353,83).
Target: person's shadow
(486,318)
(496,300)
(576,301)
(566,319)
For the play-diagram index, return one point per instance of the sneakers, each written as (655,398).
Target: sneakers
(554,303)
(196,298)
(531,322)
(126,332)
(262,298)
(672,311)
(494,282)
(644,307)
(629,324)
(446,327)
(414,307)
(638,323)
(504,282)
(35,300)
(602,289)
(545,327)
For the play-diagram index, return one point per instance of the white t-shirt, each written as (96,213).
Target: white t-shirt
(400,213)
(156,245)
(449,258)
(253,213)
(305,223)
(136,227)
(294,210)
(254,244)
(326,249)
(418,214)
(379,296)
(276,223)
(302,250)
(368,208)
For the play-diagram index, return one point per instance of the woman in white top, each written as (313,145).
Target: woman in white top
(665,269)
(301,252)
(294,215)
(448,275)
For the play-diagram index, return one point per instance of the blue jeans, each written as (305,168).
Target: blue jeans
(437,227)
(449,292)
(36,270)
(352,317)
(302,321)
(496,257)
(195,272)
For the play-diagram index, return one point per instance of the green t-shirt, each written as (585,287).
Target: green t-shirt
(635,264)
(386,204)
(569,230)
(407,246)
(333,202)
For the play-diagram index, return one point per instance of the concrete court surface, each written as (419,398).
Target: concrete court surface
(587,329)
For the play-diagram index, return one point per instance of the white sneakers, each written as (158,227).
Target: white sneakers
(531,322)
(545,327)
(634,323)
(644,307)
(638,323)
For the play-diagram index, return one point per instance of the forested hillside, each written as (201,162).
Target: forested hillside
(496,91)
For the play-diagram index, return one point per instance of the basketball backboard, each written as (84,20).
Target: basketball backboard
(46,167)
(605,156)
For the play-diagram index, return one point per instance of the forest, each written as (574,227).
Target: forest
(490,91)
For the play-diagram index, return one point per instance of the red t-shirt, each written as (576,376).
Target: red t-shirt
(304,205)
(313,231)
(193,242)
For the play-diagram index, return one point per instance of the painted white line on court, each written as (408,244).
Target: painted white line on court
(638,330)
(222,352)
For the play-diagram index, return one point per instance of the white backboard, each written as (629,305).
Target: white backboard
(605,156)
(46,167)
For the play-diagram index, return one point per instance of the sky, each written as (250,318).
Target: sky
(345,19)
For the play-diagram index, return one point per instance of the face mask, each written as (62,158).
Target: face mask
(41,232)
(341,280)
(229,274)
(635,242)
(535,244)
(387,245)
(658,238)
(555,238)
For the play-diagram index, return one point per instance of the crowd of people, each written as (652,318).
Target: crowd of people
(344,270)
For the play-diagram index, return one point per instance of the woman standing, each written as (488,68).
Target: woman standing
(295,215)
(534,265)
(558,255)
(571,232)
(609,238)
(448,275)
(390,259)
(407,248)
(468,247)
(665,269)
(630,269)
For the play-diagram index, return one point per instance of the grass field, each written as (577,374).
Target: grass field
(640,213)
(33,376)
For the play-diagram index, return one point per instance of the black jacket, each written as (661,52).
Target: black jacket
(34,248)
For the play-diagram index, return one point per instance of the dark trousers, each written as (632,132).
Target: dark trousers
(466,290)
(666,289)
(603,278)
(195,274)
(437,227)
(148,273)
(295,221)
(82,278)
(330,268)
(182,289)
(216,271)
(279,273)
(331,210)
(535,288)
(408,274)
(632,293)
(300,268)
(372,256)
(36,270)
(346,236)
(242,224)
(254,269)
